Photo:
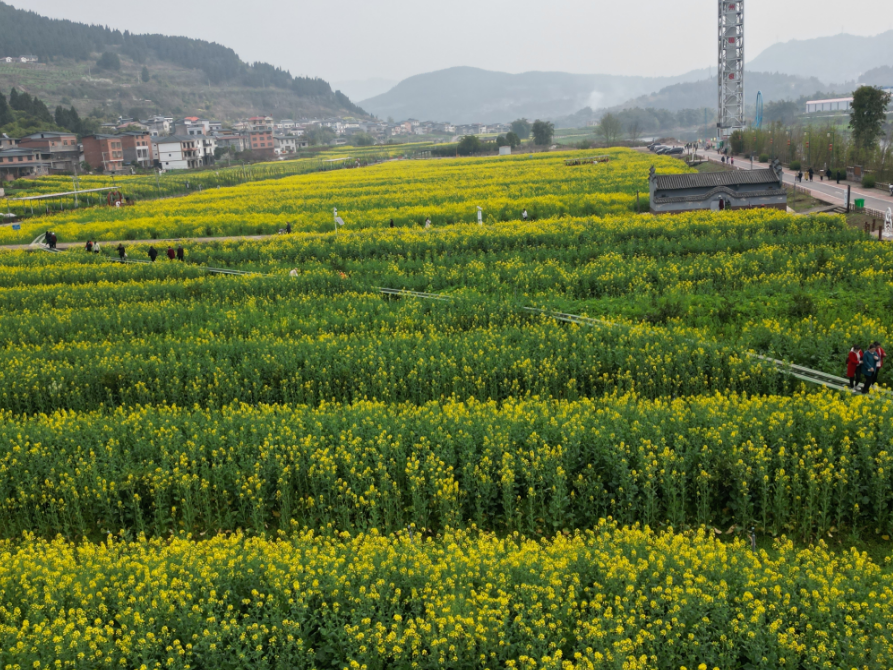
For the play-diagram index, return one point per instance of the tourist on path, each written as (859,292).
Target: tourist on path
(853,362)
(181,253)
(153,254)
(122,252)
(869,368)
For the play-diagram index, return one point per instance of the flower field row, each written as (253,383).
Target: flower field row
(602,599)
(804,465)
(799,288)
(491,352)
(407,191)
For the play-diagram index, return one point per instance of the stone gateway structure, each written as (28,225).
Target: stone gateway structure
(717,191)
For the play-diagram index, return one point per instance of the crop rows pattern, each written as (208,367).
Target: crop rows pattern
(275,471)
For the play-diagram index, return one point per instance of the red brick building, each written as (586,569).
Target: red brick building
(104,152)
(262,142)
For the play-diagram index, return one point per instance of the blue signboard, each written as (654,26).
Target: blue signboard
(17,226)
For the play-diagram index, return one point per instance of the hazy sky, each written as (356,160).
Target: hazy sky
(393,39)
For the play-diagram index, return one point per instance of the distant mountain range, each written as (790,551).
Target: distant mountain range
(472,95)
(784,71)
(703,93)
(832,60)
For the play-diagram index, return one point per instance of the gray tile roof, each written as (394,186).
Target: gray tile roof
(672,182)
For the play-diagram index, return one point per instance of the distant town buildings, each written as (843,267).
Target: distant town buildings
(19,59)
(192,142)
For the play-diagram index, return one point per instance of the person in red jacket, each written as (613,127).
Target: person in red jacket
(171,254)
(853,363)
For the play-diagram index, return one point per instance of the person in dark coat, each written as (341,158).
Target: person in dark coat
(881,357)
(153,254)
(392,223)
(853,363)
(89,246)
(288,228)
(171,254)
(869,368)
(181,254)
(811,173)
(122,253)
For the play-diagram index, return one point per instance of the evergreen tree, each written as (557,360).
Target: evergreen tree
(109,61)
(145,74)
(14,99)
(69,119)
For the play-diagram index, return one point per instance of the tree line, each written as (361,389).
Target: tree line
(22,114)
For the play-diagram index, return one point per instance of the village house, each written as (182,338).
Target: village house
(138,149)
(230,141)
(158,125)
(19,162)
(260,124)
(61,148)
(261,142)
(104,152)
(177,152)
(718,191)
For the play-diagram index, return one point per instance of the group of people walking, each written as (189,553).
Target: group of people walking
(92,247)
(50,239)
(179,254)
(864,366)
(810,173)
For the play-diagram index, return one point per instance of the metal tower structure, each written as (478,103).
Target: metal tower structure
(731,67)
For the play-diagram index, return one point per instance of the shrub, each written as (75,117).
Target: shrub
(795,165)
(764,158)
(868,181)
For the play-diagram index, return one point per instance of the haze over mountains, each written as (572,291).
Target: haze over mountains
(784,71)
(469,95)
(833,60)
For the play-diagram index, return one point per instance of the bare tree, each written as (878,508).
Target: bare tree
(634,130)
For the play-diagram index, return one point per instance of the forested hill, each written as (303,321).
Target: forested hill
(25,32)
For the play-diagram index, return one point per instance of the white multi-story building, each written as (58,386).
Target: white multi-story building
(178,152)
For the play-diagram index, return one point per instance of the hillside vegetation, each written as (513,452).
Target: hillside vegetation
(185,75)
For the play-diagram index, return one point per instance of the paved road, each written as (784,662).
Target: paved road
(822,190)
